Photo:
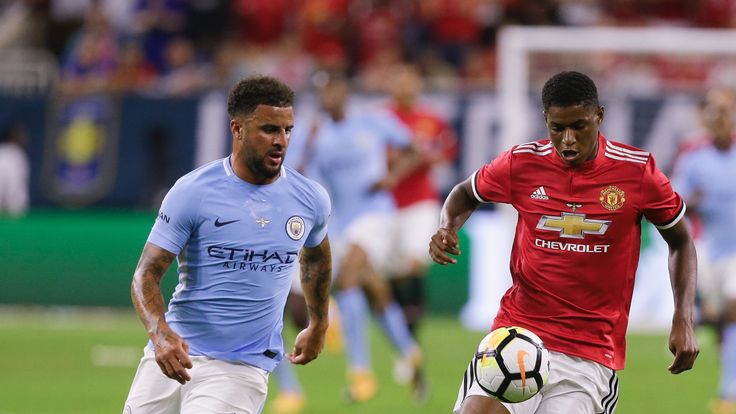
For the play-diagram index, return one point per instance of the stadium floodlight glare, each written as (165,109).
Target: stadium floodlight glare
(517,43)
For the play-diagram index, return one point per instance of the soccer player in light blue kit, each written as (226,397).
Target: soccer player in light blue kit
(706,178)
(350,153)
(236,226)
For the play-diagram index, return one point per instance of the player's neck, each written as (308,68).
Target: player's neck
(247,174)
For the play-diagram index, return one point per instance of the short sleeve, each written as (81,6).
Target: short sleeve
(176,219)
(323,209)
(662,206)
(492,182)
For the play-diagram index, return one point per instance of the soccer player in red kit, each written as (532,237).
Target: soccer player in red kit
(416,196)
(580,200)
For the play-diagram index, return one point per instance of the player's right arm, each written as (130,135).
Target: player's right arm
(492,182)
(316,275)
(172,352)
(456,210)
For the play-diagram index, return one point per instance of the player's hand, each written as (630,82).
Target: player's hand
(386,183)
(683,346)
(172,355)
(308,345)
(444,241)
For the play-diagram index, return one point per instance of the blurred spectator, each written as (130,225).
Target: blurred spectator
(324,30)
(208,23)
(262,23)
(452,25)
(183,74)
(715,13)
(479,71)
(157,22)
(91,57)
(14,171)
(532,13)
(133,73)
(379,26)
(452,41)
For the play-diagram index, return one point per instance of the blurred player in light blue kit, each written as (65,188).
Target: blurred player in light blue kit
(237,227)
(705,176)
(348,151)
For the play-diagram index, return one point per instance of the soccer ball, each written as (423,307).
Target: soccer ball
(511,364)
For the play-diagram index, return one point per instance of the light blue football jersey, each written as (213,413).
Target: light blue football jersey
(350,156)
(237,245)
(713,172)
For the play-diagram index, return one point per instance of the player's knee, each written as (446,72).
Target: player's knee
(476,404)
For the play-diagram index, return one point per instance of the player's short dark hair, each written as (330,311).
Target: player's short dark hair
(258,90)
(569,89)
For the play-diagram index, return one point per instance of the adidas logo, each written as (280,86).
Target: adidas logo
(540,194)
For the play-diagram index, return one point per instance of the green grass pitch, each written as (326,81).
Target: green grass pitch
(77,362)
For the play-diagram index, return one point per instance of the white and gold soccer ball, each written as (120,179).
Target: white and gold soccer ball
(511,364)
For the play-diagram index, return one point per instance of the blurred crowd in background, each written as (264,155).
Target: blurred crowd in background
(179,47)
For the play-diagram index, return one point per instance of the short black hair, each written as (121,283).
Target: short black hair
(258,90)
(569,89)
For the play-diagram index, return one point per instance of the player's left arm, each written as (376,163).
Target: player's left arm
(683,276)
(403,156)
(316,275)
(401,162)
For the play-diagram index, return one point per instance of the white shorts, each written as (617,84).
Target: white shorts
(369,233)
(413,228)
(216,387)
(575,386)
(717,282)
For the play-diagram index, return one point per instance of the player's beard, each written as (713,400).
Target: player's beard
(260,167)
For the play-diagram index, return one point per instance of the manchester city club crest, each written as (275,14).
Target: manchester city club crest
(295,227)
(612,198)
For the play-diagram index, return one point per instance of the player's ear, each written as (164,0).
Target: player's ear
(599,114)
(236,129)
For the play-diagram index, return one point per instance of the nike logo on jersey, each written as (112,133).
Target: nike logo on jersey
(540,194)
(219,223)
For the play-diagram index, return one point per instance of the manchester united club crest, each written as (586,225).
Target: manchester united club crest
(295,227)
(612,198)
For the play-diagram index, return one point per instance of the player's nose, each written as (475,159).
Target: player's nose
(568,137)
(281,139)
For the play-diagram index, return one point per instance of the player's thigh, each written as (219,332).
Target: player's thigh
(219,387)
(578,386)
(414,227)
(152,392)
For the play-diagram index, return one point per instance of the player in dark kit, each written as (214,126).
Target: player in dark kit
(580,200)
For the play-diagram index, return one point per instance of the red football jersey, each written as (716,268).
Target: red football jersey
(431,135)
(576,248)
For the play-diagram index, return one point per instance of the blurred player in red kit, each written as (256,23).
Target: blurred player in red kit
(416,195)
